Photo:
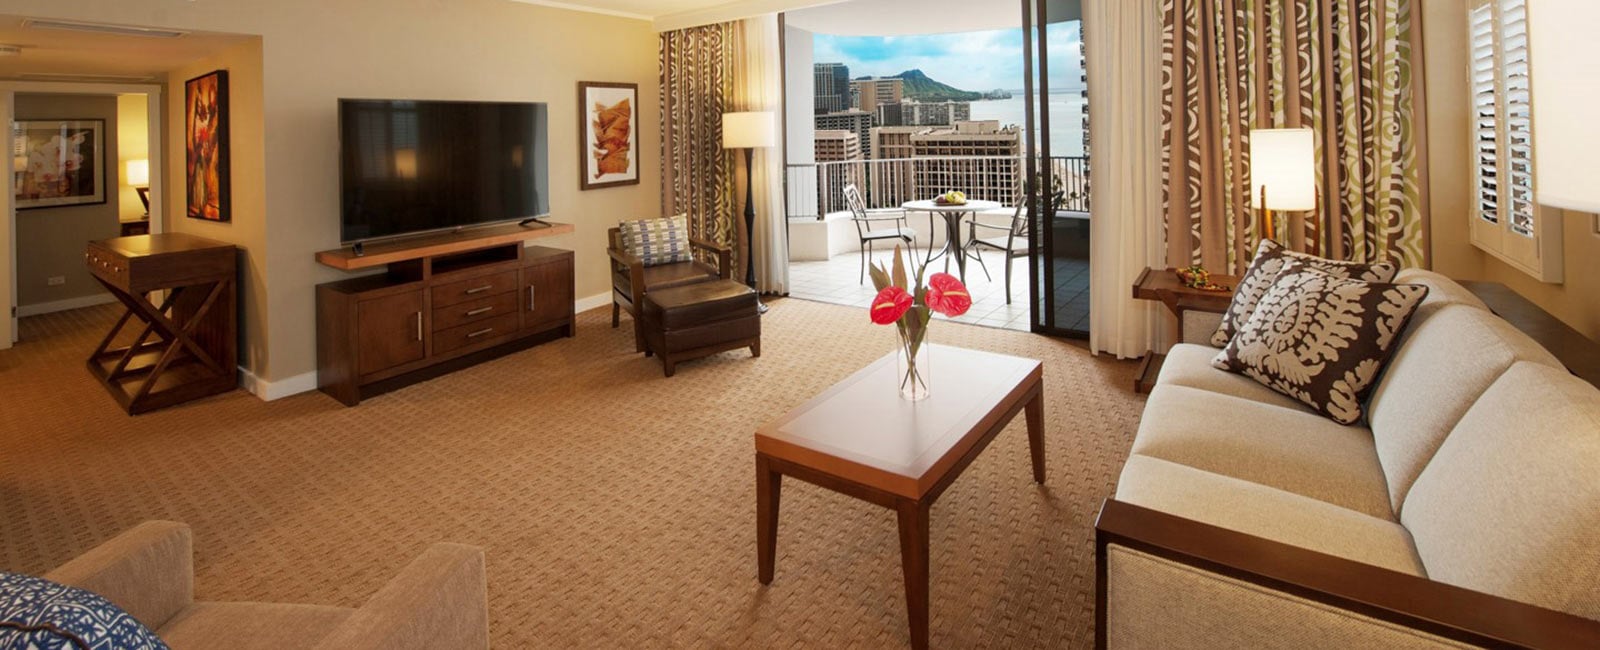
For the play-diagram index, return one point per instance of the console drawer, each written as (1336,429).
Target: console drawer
(474,288)
(474,311)
(474,333)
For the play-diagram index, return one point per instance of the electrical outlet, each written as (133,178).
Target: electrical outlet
(56,281)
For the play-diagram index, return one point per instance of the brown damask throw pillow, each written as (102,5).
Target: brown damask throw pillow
(1321,339)
(1269,262)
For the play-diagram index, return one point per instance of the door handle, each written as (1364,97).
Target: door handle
(479,289)
(480,310)
(419,327)
(479,333)
(531,302)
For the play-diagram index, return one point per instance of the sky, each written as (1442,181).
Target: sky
(969,60)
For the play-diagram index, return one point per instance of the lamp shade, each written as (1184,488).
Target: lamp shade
(139,172)
(1564,57)
(748,129)
(1284,161)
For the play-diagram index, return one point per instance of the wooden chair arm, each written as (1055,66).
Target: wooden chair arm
(724,255)
(1405,600)
(624,258)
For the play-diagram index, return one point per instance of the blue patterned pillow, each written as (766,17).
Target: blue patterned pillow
(657,241)
(39,614)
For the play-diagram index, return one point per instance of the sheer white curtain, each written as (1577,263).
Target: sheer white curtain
(1123,40)
(758,86)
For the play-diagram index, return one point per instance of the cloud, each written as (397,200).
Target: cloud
(969,60)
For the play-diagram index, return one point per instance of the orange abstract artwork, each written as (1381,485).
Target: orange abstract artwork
(206,146)
(612,124)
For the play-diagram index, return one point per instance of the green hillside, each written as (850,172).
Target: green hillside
(923,89)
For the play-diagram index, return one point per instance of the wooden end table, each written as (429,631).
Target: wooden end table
(860,439)
(1163,285)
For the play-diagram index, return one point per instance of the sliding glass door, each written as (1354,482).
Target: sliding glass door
(1058,165)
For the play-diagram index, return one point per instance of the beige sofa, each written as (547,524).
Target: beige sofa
(1466,513)
(439,601)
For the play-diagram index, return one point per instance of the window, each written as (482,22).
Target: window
(1506,220)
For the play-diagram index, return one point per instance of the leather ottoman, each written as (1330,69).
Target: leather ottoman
(697,320)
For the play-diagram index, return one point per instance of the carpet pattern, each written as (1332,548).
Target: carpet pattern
(617,507)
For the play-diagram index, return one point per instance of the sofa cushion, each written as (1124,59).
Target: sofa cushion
(1264,269)
(1190,365)
(1445,363)
(251,626)
(1288,449)
(39,613)
(1510,504)
(657,241)
(1266,512)
(1442,291)
(1322,339)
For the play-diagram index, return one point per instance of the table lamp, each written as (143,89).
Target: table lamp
(748,130)
(139,177)
(1566,87)
(1283,174)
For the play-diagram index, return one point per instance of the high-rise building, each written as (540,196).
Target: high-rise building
(840,162)
(832,87)
(854,121)
(915,113)
(835,145)
(979,158)
(873,91)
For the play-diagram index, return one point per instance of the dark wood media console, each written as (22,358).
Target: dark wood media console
(439,309)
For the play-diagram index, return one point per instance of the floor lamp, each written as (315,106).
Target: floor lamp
(748,130)
(1283,177)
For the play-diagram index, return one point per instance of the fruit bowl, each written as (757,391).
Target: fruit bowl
(951,198)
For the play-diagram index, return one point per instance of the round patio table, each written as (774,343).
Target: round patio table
(952,228)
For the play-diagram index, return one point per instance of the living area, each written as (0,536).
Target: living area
(1371,420)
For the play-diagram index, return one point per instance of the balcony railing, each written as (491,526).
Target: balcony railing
(815,190)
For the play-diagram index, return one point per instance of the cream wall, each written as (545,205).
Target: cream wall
(1577,301)
(312,53)
(133,143)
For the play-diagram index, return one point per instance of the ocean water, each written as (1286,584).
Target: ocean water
(1066,117)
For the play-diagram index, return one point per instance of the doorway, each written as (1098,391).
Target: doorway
(1059,170)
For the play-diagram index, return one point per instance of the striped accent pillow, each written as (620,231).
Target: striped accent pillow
(658,241)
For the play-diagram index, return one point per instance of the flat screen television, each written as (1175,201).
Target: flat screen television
(416,166)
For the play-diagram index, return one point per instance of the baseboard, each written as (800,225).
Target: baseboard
(307,382)
(24,311)
(276,390)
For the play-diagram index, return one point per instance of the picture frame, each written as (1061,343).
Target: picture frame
(608,137)
(58,163)
(207,154)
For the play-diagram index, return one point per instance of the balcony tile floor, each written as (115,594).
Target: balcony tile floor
(837,281)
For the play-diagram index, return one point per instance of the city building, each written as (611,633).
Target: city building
(871,92)
(840,161)
(855,121)
(980,158)
(832,81)
(915,113)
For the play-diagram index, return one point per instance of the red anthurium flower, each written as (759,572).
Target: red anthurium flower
(890,305)
(947,295)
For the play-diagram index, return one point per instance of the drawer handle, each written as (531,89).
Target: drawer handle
(480,310)
(531,301)
(479,289)
(479,333)
(419,327)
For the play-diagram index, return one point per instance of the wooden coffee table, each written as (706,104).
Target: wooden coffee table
(859,438)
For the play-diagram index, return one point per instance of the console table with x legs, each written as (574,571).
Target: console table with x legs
(187,346)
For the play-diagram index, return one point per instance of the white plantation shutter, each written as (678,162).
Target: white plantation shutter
(1506,219)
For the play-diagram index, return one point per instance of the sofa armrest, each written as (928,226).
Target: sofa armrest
(147,570)
(440,600)
(724,255)
(1361,590)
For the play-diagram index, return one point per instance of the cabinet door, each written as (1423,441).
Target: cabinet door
(390,331)
(547,293)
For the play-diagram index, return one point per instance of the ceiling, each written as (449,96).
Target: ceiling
(53,51)
(905,17)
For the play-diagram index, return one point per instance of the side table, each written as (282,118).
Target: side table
(1164,285)
(188,345)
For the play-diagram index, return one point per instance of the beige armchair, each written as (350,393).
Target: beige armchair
(440,600)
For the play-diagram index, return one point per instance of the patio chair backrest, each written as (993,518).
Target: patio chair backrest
(852,198)
(1019,221)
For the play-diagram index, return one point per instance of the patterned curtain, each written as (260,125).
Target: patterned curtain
(1342,68)
(697,77)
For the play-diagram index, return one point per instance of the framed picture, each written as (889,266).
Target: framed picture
(608,151)
(205,144)
(59,162)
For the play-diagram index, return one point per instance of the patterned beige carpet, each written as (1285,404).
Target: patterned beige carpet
(617,507)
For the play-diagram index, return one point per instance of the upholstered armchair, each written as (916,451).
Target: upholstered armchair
(438,601)
(631,279)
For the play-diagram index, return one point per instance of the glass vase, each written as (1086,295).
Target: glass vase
(912,367)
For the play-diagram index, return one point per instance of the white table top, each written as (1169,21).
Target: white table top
(969,206)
